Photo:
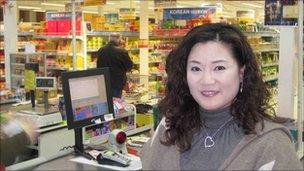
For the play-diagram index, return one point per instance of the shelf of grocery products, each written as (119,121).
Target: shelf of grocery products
(108,33)
(17,76)
(269,65)
(262,33)
(37,36)
(60,53)
(20,33)
(271,78)
(265,50)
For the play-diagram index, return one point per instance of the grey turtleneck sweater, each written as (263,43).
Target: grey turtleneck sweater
(198,157)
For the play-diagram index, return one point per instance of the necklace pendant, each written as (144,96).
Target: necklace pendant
(208,142)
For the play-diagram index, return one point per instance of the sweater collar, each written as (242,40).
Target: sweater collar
(215,118)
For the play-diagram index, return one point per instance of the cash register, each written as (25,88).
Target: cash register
(88,100)
(47,114)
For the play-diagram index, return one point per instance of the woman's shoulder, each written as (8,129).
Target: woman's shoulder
(272,130)
(155,155)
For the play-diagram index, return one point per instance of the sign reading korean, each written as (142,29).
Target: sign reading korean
(187,13)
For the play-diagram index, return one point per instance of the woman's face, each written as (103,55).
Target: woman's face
(213,75)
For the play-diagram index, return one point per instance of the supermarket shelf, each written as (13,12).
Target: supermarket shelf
(139,130)
(265,50)
(20,33)
(25,33)
(57,68)
(92,50)
(157,73)
(269,65)
(56,37)
(155,62)
(18,76)
(262,33)
(272,78)
(59,53)
(107,33)
(18,64)
(151,62)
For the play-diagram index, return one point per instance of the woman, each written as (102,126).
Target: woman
(216,113)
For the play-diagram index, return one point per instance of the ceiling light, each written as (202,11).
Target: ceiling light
(52,4)
(136,1)
(29,7)
(110,3)
(91,12)
(252,5)
(39,10)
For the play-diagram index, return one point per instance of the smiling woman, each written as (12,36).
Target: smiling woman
(215,112)
(213,76)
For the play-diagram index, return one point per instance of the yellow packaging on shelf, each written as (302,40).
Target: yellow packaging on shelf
(79,62)
(143,119)
(88,16)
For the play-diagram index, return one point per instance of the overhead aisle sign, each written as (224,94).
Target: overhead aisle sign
(187,13)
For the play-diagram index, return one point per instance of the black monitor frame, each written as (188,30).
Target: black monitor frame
(77,125)
(72,124)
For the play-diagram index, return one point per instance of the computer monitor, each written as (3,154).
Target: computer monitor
(87,96)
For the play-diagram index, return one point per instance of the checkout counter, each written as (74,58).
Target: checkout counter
(55,144)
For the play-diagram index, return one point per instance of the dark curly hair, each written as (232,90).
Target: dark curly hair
(179,108)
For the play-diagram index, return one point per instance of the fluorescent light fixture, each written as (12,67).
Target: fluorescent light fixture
(252,5)
(180,6)
(91,12)
(52,4)
(39,10)
(110,3)
(204,4)
(136,1)
(29,7)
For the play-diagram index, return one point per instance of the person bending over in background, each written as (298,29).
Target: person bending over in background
(119,62)
(16,134)
(215,110)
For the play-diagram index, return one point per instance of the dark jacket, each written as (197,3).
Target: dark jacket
(118,61)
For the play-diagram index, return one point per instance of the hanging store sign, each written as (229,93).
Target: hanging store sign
(187,13)
(164,3)
(61,15)
(281,12)
(60,23)
(127,14)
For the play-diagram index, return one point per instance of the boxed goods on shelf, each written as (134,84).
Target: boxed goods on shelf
(59,23)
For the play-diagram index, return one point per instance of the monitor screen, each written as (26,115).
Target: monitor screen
(87,96)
